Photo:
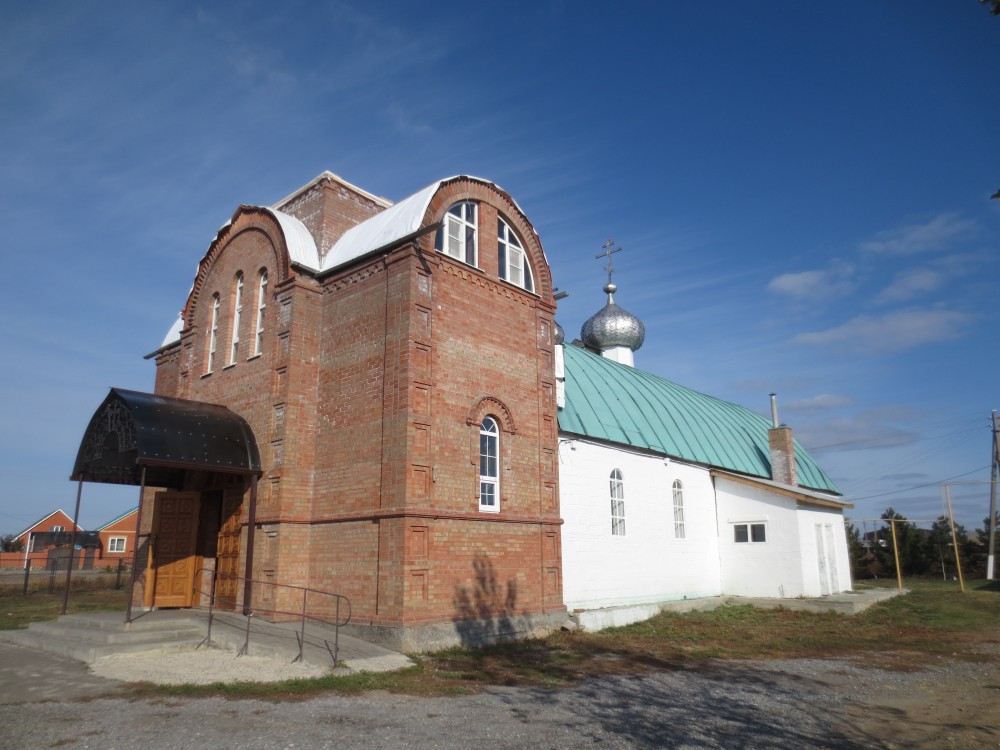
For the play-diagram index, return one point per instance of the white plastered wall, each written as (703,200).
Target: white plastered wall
(648,564)
(787,564)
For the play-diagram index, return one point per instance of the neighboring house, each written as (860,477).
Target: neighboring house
(118,537)
(361,397)
(38,539)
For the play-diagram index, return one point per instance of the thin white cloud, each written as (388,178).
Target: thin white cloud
(935,235)
(819,284)
(818,402)
(910,284)
(893,332)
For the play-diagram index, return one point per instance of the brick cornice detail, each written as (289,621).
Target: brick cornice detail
(434,515)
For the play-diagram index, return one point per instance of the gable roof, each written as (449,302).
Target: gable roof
(46,517)
(117,518)
(620,404)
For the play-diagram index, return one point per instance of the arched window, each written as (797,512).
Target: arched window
(511,258)
(237,314)
(258,342)
(678,509)
(617,504)
(213,336)
(459,237)
(489,465)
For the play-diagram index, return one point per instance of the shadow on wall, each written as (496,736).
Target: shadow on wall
(485,613)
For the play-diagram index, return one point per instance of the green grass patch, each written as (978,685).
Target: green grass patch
(17,611)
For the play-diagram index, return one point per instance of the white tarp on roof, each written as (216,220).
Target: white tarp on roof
(383,229)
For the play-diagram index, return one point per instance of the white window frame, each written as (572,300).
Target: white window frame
(57,529)
(460,236)
(213,336)
(678,496)
(258,342)
(489,466)
(617,492)
(512,260)
(115,542)
(234,348)
(750,531)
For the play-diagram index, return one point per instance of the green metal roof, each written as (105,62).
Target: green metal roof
(620,404)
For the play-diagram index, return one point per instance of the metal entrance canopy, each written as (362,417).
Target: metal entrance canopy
(147,440)
(132,430)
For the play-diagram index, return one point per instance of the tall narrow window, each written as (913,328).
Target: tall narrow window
(213,336)
(678,509)
(459,237)
(237,314)
(617,504)
(511,259)
(258,342)
(489,465)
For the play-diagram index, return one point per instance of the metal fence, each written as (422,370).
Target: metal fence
(50,576)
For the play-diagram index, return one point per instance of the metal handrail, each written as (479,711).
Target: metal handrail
(338,621)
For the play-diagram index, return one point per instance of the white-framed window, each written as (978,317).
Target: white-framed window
(459,237)
(258,342)
(617,503)
(116,544)
(512,261)
(57,529)
(489,465)
(749,533)
(678,490)
(237,315)
(213,336)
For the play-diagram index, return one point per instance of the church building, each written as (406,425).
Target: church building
(374,400)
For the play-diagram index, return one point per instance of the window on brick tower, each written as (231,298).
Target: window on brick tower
(489,465)
(237,315)
(512,261)
(258,342)
(617,503)
(458,238)
(213,335)
(678,509)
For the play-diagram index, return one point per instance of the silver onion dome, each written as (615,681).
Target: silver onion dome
(560,334)
(612,326)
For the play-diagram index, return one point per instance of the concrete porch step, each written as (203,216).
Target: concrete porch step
(89,637)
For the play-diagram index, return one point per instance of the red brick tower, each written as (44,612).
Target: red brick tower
(396,367)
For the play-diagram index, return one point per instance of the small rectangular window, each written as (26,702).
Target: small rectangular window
(116,544)
(749,533)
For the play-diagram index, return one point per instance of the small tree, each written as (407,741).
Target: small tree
(941,547)
(10,543)
(911,542)
(856,551)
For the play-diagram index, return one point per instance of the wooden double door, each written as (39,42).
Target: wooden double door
(187,528)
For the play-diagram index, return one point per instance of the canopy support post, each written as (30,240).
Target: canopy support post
(251,525)
(71,558)
(135,550)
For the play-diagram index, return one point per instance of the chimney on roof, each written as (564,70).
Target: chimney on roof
(781,443)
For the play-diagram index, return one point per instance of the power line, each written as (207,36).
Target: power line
(920,486)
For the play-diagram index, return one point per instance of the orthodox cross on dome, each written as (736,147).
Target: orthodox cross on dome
(609,248)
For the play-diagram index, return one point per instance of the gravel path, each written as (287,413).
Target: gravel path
(802,703)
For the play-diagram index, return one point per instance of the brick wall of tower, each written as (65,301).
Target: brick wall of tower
(413,343)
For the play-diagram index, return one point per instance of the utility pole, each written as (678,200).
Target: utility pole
(993,498)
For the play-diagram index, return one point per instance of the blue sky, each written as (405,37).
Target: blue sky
(802,192)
